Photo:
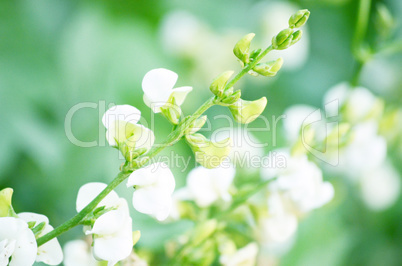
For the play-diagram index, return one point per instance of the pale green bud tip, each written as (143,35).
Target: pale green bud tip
(247,111)
(196,125)
(269,69)
(6,208)
(242,48)
(231,99)
(299,18)
(296,36)
(136,236)
(6,195)
(218,85)
(283,39)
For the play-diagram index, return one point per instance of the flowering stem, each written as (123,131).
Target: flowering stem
(81,215)
(141,161)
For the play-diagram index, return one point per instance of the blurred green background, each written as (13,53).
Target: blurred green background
(56,54)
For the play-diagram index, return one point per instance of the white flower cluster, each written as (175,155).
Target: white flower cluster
(364,158)
(298,189)
(363,155)
(18,234)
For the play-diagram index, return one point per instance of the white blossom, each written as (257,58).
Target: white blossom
(122,128)
(357,104)
(154,185)
(301,181)
(296,117)
(367,150)
(245,256)
(209,185)
(78,253)
(17,242)
(280,224)
(50,252)
(158,89)
(113,240)
(380,188)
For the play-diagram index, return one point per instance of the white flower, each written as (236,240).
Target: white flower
(122,128)
(366,151)
(380,188)
(246,256)
(17,242)
(301,181)
(113,240)
(90,190)
(358,103)
(298,116)
(154,185)
(209,185)
(50,252)
(78,253)
(182,33)
(158,89)
(280,225)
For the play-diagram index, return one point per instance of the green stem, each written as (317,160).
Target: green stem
(79,216)
(172,138)
(360,33)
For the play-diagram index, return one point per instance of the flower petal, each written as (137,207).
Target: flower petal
(157,85)
(25,246)
(116,247)
(125,113)
(89,191)
(154,202)
(180,94)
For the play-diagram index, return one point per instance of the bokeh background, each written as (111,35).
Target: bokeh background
(56,54)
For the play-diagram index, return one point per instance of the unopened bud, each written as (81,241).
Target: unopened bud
(296,36)
(207,153)
(299,18)
(136,236)
(242,48)
(6,208)
(172,112)
(218,85)
(283,39)
(196,125)
(269,69)
(232,98)
(254,54)
(247,111)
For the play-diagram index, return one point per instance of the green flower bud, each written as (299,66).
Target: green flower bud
(247,111)
(172,112)
(207,153)
(255,53)
(196,125)
(242,48)
(299,18)
(231,99)
(136,236)
(283,39)
(218,85)
(6,209)
(296,37)
(37,230)
(269,69)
